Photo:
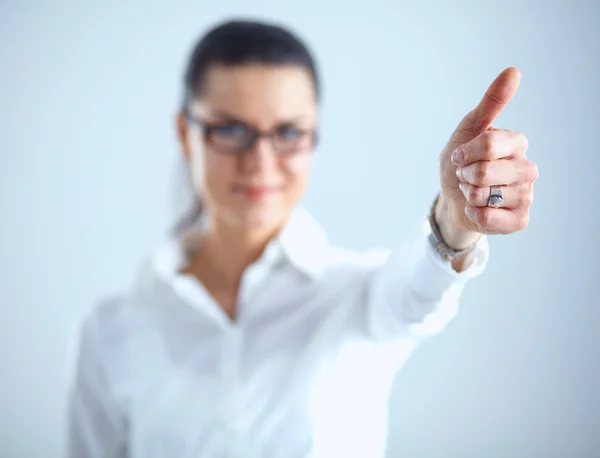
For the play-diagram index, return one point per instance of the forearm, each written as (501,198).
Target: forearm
(415,290)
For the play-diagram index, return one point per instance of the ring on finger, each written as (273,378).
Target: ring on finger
(496,198)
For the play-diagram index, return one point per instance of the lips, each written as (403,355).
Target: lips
(256,192)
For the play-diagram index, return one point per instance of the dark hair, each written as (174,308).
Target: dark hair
(235,43)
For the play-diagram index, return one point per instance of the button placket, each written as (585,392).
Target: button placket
(254,279)
(230,365)
(232,357)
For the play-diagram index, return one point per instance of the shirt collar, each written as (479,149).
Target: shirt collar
(302,242)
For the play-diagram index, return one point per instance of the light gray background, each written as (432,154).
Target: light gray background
(87,97)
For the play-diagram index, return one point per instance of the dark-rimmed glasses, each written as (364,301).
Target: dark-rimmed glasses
(236,137)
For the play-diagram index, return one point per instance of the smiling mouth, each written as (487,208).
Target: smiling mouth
(256,192)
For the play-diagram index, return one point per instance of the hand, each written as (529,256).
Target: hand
(478,156)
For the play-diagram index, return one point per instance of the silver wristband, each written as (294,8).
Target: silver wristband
(437,241)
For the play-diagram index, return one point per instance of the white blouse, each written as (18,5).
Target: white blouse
(304,371)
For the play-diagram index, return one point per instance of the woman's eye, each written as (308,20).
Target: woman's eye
(231,131)
(289,133)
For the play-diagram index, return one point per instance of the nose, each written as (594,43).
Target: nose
(260,158)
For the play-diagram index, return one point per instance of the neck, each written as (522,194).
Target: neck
(230,250)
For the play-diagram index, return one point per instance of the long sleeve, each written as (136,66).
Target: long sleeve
(415,292)
(96,425)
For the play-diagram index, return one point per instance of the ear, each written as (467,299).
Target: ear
(181,128)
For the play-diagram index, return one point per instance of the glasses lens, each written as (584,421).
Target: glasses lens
(289,139)
(230,137)
(238,138)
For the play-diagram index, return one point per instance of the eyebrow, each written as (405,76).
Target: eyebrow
(231,117)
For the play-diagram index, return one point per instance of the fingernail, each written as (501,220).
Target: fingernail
(459,173)
(456,156)
(462,185)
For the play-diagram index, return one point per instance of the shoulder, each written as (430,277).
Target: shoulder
(119,332)
(344,257)
(112,318)
(308,245)
(349,266)
(107,320)
(133,313)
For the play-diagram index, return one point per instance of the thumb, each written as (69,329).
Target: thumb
(500,92)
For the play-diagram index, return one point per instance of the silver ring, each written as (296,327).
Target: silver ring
(496,197)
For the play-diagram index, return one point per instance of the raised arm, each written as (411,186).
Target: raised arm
(486,188)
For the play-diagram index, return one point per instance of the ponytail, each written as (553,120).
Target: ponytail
(186,206)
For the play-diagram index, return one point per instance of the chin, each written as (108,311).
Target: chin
(255,216)
(261,218)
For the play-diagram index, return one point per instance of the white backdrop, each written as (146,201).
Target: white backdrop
(87,98)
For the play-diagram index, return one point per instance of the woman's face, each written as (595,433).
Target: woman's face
(245,180)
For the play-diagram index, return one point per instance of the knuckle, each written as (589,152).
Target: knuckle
(488,141)
(481,172)
(526,199)
(473,195)
(524,141)
(533,171)
(522,222)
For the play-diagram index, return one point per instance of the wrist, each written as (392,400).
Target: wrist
(456,238)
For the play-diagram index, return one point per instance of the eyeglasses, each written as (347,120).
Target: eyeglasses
(235,137)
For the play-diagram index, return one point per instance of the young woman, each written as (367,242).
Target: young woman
(247,334)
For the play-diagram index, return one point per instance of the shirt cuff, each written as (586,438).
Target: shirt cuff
(428,274)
